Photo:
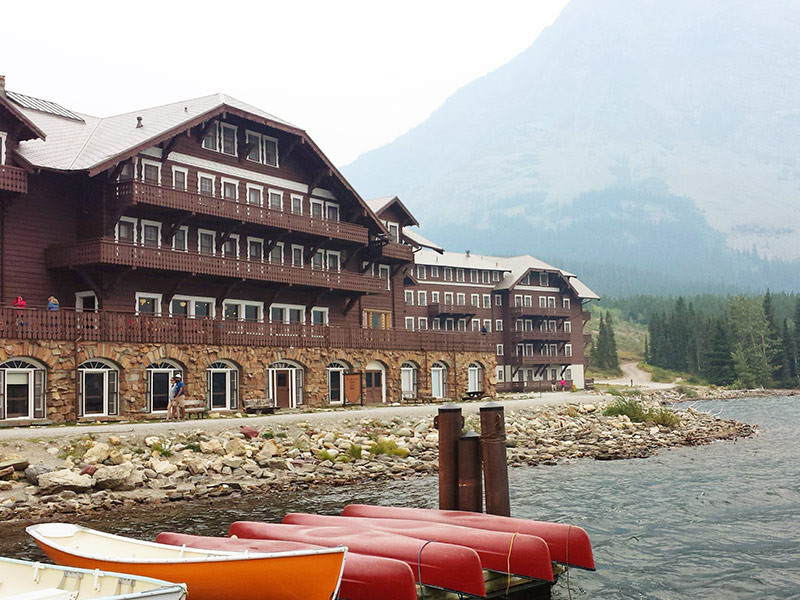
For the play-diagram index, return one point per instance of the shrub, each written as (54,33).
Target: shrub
(268,435)
(628,407)
(388,447)
(280,434)
(687,391)
(354,451)
(663,375)
(662,416)
(613,391)
(325,455)
(161,449)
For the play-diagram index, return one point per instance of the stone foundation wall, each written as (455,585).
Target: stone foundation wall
(62,358)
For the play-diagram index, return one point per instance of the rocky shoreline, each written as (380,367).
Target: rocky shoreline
(94,474)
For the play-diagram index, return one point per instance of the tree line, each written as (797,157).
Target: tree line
(744,345)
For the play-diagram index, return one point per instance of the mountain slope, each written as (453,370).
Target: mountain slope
(626,124)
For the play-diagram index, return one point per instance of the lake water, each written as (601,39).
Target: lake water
(719,521)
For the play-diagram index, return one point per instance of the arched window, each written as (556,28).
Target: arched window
(222,386)
(336,371)
(439,380)
(158,382)
(475,377)
(408,379)
(285,384)
(22,389)
(375,383)
(98,388)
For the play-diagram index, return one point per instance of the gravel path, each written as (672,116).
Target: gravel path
(640,379)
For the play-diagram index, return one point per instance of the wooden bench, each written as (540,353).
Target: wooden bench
(196,407)
(260,409)
(473,395)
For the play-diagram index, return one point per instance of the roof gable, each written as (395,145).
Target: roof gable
(29,129)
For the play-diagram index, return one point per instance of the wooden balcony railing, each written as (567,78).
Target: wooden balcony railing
(541,335)
(539,311)
(13,179)
(532,386)
(97,252)
(586,316)
(540,359)
(587,339)
(110,326)
(137,192)
(440,309)
(401,252)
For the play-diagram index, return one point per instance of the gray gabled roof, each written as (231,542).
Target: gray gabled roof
(74,145)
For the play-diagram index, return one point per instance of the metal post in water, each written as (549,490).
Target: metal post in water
(470,490)
(449,423)
(495,465)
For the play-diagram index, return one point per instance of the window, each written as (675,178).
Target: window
(420,271)
(148,304)
(333,260)
(242,310)
(394,232)
(151,234)
(126,230)
(448,274)
(253,141)
(434,271)
(222,386)
(485,276)
(517,301)
(448,298)
(151,172)
(439,380)
(499,349)
(191,306)
(487,301)
(22,389)
(476,325)
(255,194)
(544,279)
(376,319)
(565,302)
(498,325)
(460,275)
(567,349)
(475,300)
(99,388)
(230,249)
(542,301)
(86,301)
(276,254)
(500,374)
(527,301)
(270,151)
(297,256)
(473,276)
(434,297)
(449,324)
(422,298)
(230,189)
(498,300)
(228,139)
(210,138)
(551,302)
(567,327)
(255,249)
(408,380)
(180,241)
(332,211)
(487,325)
(386,274)
(275,200)
(423,323)
(461,299)
(319,316)
(462,324)
(495,275)
(287,313)
(206,242)
(410,323)
(180,177)
(158,384)
(318,260)
(317,208)
(128,170)
(205,184)
(436,324)
(409,295)
(3,138)
(475,377)
(297,204)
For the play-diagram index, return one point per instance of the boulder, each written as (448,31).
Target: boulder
(112,477)
(33,472)
(65,479)
(236,447)
(115,457)
(248,432)
(97,454)
(234,462)
(134,480)
(195,465)
(162,467)
(212,446)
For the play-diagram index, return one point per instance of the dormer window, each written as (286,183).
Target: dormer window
(253,146)
(333,212)
(228,141)
(543,279)
(210,139)
(151,172)
(270,151)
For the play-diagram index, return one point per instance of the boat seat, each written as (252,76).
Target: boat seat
(44,594)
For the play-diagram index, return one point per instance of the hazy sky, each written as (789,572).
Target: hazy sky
(353,74)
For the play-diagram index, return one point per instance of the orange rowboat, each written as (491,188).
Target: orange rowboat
(208,574)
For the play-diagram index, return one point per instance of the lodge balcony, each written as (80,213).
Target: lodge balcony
(537,385)
(13,179)
(130,193)
(398,252)
(539,311)
(107,252)
(456,311)
(536,335)
(587,339)
(121,327)
(542,359)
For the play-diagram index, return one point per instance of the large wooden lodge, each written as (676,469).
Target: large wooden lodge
(212,239)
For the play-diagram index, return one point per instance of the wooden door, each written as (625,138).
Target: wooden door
(282,393)
(373,388)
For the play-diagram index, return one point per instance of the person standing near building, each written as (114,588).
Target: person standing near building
(171,407)
(180,397)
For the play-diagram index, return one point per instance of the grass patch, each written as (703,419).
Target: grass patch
(354,451)
(662,416)
(161,449)
(387,447)
(268,435)
(613,391)
(325,455)
(280,434)
(633,409)
(686,390)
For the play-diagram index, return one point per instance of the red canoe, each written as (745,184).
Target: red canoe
(444,566)
(569,545)
(519,554)
(363,578)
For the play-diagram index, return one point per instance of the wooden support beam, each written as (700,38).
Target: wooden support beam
(311,251)
(352,255)
(226,292)
(244,149)
(90,282)
(226,235)
(318,178)
(204,129)
(285,154)
(174,289)
(274,242)
(115,172)
(270,298)
(169,232)
(351,303)
(115,281)
(167,147)
(367,266)
(112,217)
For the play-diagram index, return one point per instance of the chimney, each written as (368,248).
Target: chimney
(138,122)
(467,253)
(2,83)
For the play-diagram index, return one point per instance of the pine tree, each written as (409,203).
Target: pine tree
(718,363)
(773,348)
(612,358)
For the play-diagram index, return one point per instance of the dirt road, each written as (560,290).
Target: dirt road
(633,375)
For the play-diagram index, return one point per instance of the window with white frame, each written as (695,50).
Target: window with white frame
(230,249)
(210,138)
(151,171)
(98,387)
(462,324)
(222,386)
(449,324)
(487,325)
(436,324)
(448,298)
(410,323)
(551,302)
(275,200)
(422,298)
(565,303)
(297,204)
(542,301)
(255,249)
(191,306)
(276,254)
(409,296)
(434,297)
(86,302)
(439,380)
(485,276)
(527,301)
(495,275)
(151,234)
(499,350)
(297,256)
(567,349)
(253,141)
(270,151)
(205,184)
(206,242)
(544,279)
(473,276)
(287,313)
(255,194)
(126,230)
(434,271)
(386,274)
(242,310)
(423,323)
(334,260)
(228,139)
(476,325)
(317,208)
(319,315)
(461,299)
(331,211)
(498,325)
(148,303)
(3,138)
(394,230)
(567,327)
(498,300)
(420,271)
(500,374)
(318,260)
(460,275)
(475,300)
(448,274)
(517,301)
(487,301)
(180,178)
